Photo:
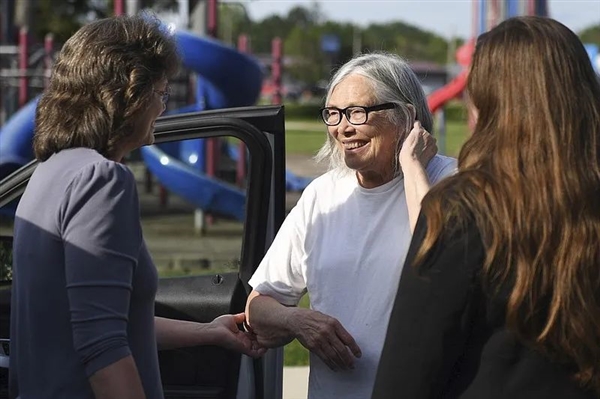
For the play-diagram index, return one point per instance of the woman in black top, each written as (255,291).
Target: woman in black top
(500,293)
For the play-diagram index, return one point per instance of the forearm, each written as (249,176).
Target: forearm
(416,186)
(270,320)
(118,380)
(171,333)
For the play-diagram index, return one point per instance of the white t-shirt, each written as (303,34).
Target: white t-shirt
(345,245)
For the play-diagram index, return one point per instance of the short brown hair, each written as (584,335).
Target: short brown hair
(103,77)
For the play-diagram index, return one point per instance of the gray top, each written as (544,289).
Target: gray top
(84,283)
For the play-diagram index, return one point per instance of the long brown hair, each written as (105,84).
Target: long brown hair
(102,79)
(529,177)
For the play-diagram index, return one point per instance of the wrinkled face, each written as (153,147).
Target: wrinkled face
(369,149)
(144,126)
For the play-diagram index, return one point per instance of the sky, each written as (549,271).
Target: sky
(445,17)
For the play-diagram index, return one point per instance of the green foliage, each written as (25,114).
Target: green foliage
(300,43)
(308,112)
(591,35)
(410,41)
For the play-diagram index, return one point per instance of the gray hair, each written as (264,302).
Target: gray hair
(393,81)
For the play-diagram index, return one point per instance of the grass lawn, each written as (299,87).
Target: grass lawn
(306,137)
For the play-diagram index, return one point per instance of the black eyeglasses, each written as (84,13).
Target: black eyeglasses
(164,95)
(355,114)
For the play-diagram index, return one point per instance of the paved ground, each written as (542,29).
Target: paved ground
(295,382)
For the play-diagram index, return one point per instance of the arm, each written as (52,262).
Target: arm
(118,380)
(102,239)
(275,325)
(270,319)
(223,331)
(433,315)
(417,150)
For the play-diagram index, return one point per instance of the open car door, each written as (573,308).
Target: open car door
(205,292)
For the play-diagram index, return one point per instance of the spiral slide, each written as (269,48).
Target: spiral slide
(228,79)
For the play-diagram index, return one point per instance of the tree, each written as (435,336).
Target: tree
(233,21)
(591,35)
(303,47)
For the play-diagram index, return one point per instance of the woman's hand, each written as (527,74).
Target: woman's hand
(419,146)
(228,335)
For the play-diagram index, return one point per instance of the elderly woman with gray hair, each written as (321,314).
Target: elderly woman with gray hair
(345,241)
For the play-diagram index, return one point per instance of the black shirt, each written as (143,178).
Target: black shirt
(447,339)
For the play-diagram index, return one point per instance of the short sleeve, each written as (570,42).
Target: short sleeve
(441,167)
(101,233)
(280,274)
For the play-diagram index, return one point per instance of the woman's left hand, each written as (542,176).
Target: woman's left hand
(419,146)
(228,335)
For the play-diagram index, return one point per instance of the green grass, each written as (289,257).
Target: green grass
(456,135)
(299,142)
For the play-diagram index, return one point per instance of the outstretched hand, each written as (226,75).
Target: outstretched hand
(419,146)
(231,337)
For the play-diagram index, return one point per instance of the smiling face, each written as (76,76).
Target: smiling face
(369,149)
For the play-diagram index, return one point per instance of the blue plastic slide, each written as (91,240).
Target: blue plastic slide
(227,78)
(16,140)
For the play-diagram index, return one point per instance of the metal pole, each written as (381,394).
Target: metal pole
(211,150)
(441,130)
(276,69)
(48,49)
(482,16)
(240,175)
(213,18)
(119,7)
(23,61)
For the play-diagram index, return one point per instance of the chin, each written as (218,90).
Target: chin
(150,139)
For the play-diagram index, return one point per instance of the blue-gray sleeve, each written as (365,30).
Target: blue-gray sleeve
(101,232)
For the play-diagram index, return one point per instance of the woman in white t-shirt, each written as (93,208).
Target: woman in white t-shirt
(346,239)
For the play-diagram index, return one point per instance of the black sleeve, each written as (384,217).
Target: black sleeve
(432,315)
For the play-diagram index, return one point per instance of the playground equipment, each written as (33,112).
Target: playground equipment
(486,15)
(226,78)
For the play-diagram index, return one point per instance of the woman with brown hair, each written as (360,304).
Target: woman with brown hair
(500,295)
(84,284)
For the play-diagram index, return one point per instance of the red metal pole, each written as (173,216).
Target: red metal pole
(240,175)
(119,7)
(23,61)
(531,7)
(276,68)
(213,18)
(212,146)
(48,48)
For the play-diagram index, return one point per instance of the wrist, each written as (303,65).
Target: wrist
(293,321)
(211,334)
(410,165)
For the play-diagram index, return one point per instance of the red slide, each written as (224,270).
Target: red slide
(441,96)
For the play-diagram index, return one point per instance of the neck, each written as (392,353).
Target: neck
(372,179)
